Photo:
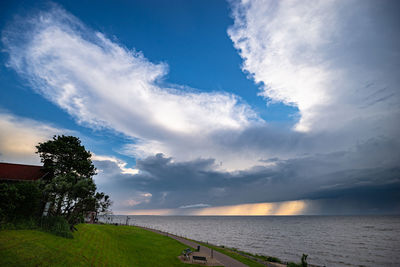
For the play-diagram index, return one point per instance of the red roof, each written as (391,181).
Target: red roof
(20,172)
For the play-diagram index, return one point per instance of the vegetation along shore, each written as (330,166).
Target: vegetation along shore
(105,245)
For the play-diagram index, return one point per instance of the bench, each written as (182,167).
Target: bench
(199,258)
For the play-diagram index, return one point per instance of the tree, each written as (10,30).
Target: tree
(69,187)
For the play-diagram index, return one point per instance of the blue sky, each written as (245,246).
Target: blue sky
(292,106)
(189,36)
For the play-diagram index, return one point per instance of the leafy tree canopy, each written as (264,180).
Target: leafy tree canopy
(69,187)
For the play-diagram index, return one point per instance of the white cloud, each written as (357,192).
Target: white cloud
(121,164)
(103,84)
(305,54)
(319,56)
(20,136)
(139,198)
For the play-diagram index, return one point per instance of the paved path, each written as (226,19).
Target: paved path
(222,258)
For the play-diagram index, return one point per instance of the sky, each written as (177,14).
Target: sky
(249,107)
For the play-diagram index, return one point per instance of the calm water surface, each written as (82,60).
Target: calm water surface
(328,240)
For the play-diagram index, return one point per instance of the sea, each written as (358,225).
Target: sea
(327,240)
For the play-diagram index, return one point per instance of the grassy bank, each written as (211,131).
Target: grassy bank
(247,258)
(235,255)
(92,245)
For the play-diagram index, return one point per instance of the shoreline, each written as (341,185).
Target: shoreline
(329,241)
(213,247)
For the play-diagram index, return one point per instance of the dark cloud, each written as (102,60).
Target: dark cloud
(361,180)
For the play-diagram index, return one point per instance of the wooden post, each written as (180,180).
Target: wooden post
(212,253)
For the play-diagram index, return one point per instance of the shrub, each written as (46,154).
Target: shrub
(273,259)
(27,223)
(19,201)
(57,225)
(302,264)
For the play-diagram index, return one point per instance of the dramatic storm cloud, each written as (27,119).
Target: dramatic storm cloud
(200,151)
(344,179)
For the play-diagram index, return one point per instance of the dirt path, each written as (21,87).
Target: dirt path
(222,258)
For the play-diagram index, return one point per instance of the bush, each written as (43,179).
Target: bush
(56,225)
(27,223)
(19,201)
(302,264)
(273,259)
(293,264)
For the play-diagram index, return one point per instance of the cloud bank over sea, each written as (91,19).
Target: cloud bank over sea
(339,68)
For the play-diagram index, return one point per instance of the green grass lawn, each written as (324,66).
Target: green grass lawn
(92,245)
